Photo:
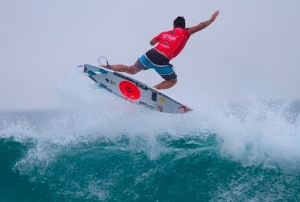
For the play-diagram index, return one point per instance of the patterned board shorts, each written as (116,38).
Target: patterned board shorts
(160,63)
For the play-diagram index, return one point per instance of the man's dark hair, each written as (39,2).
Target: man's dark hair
(179,22)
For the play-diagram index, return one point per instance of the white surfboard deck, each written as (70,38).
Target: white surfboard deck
(133,90)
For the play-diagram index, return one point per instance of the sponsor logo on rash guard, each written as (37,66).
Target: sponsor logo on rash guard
(169,37)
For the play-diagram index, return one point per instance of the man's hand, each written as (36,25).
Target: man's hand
(153,42)
(214,16)
(202,25)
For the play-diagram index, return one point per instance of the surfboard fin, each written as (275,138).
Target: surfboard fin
(101,71)
(91,73)
(102,86)
(98,86)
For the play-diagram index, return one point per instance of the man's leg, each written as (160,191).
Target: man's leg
(166,84)
(123,68)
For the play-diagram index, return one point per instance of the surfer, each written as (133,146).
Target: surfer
(169,45)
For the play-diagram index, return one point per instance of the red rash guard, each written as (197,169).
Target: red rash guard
(171,43)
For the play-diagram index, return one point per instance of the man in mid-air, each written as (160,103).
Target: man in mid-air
(169,45)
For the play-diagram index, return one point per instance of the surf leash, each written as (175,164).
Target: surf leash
(107,65)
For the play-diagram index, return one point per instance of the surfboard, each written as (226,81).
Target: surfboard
(133,90)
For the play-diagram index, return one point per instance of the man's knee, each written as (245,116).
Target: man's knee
(173,81)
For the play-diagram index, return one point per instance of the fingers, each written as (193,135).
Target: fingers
(214,16)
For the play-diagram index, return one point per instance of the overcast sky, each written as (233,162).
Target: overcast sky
(252,48)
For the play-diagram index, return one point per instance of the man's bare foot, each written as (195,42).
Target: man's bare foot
(101,65)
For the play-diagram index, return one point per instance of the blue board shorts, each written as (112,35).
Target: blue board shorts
(157,61)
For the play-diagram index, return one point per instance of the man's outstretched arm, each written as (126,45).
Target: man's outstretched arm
(204,24)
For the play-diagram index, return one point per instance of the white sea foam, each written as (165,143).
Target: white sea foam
(260,133)
(256,132)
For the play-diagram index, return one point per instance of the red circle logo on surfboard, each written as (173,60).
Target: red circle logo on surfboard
(129,90)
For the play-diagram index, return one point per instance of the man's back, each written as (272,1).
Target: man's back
(171,43)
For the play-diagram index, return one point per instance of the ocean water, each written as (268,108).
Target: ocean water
(94,151)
